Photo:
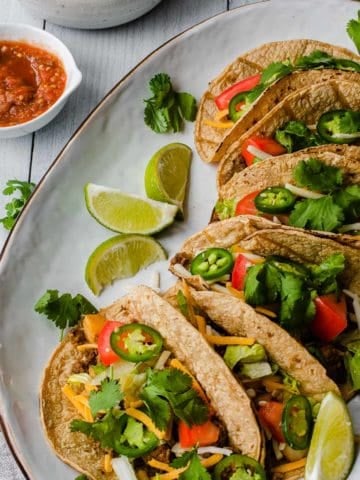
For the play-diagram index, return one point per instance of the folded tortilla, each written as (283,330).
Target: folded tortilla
(262,237)
(306,105)
(208,139)
(227,397)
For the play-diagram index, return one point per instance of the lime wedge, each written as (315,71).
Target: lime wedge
(125,213)
(167,173)
(331,452)
(121,256)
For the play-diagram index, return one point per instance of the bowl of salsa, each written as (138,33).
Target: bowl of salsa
(37,76)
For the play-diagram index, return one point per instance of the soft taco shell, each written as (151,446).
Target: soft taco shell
(262,237)
(57,413)
(278,171)
(227,397)
(306,105)
(208,138)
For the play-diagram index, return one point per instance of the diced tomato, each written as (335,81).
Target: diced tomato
(330,318)
(223,99)
(246,206)
(270,415)
(239,271)
(200,435)
(265,144)
(106,354)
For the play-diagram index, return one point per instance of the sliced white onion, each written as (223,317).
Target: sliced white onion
(344,136)
(356,305)
(117,371)
(224,278)
(252,256)
(349,227)
(79,378)
(212,450)
(123,468)
(303,192)
(276,449)
(164,357)
(276,220)
(181,270)
(258,153)
(219,289)
(155,281)
(178,450)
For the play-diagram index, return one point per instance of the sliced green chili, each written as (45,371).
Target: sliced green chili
(339,126)
(234,463)
(275,200)
(136,342)
(297,422)
(212,263)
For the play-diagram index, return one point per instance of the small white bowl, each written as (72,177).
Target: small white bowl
(89,13)
(41,39)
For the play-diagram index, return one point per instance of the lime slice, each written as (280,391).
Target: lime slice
(127,213)
(121,256)
(167,173)
(331,452)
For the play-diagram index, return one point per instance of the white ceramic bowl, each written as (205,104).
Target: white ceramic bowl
(89,13)
(42,39)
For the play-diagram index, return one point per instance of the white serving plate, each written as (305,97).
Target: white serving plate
(54,236)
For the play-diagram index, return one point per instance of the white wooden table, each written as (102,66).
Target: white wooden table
(104,57)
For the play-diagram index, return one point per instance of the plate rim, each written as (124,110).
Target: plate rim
(5,427)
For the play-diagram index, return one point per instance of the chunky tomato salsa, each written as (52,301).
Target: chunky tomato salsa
(31,80)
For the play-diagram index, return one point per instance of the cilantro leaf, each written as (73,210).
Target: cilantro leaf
(182,461)
(225,208)
(318,59)
(297,307)
(159,408)
(182,302)
(349,200)
(118,431)
(108,397)
(65,311)
(296,135)
(166,109)
(317,214)
(274,72)
(316,175)
(175,387)
(353,30)
(324,276)
(262,284)
(81,477)
(352,365)
(14,207)
(195,470)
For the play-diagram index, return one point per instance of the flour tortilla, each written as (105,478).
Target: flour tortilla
(305,105)
(209,139)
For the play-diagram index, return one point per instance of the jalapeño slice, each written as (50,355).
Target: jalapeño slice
(212,263)
(136,342)
(123,446)
(339,126)
(275,200)
(297,422)
(227,467)
(235,110)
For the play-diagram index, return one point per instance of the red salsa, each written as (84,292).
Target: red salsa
(31,80)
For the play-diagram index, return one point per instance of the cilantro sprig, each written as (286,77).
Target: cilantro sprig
(318,176)
(353,30)
(64,310)
(14,207)
(194,471)
(166,110)
(106,398)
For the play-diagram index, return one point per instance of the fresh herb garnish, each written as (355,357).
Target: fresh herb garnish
(14,207)
(295,135)
(172,388)
(194,471)
(166,109)
(324,276)
(65,311)
(317,214)
(319,59)
(317,176)
(349,200)
(182,303)
(108,397)
(81,477)
(353,30)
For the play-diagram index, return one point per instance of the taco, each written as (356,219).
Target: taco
(310,286)
(278,373)
(293,64)
(321,114)
(138,383)
(314,189)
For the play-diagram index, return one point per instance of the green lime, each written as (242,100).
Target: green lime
(331,452)
(167,173)
(125,213)
(121,256)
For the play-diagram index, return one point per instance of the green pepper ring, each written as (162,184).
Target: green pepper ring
(135,452)
(275,200)
(237,461)
(296,441)
(221,254)
(233,113)
(136,357)
(327,134)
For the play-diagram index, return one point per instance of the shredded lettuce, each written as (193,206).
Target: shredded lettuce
(246,354)
(256,370)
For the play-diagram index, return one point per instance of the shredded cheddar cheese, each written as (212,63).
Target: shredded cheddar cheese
(236,293)
(175,473)
(288,467)
(221,114)
(146,420)
(160,465)
(215,124)
(142,475)
(87,346)
(201,324)
(211,461)
(218,340)
(189,303)
(265,311)
(270,385)
(107,463)
(136,404)
(79,402)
